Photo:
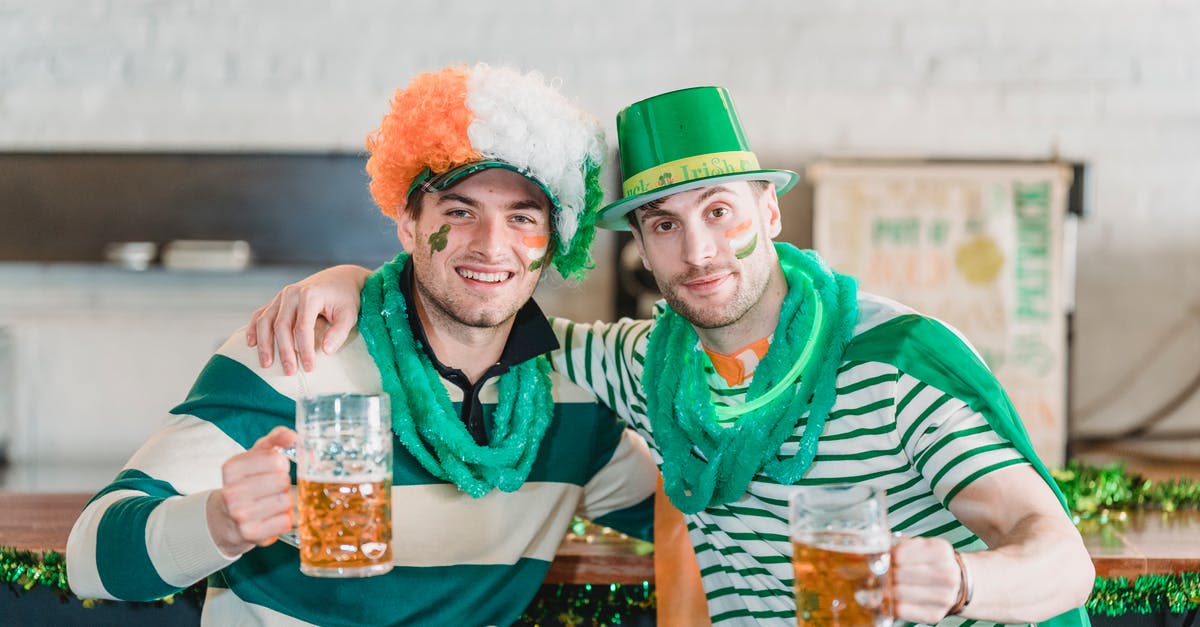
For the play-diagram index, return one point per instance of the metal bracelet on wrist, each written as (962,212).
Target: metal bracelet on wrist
(966,586)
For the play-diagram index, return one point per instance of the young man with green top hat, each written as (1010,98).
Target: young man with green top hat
(493,452)
(765,370)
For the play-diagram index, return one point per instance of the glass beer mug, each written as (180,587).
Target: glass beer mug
(841,554)
(344,478)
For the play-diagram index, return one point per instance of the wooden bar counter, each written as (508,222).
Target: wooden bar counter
(1129,545)
(36,521)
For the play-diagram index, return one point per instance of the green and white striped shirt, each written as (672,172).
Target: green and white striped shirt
(458,560)
(885,428)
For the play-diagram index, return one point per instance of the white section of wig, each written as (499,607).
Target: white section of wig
(525,121)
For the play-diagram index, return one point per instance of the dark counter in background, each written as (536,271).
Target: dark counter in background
(293,208)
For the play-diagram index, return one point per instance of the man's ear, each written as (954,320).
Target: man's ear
(406,230)
(636,231)
(770,203)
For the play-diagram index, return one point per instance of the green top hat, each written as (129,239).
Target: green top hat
(679,141)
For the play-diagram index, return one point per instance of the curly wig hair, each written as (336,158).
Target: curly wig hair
(459,115)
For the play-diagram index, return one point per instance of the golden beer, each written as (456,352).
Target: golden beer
(841,580)
(345,527)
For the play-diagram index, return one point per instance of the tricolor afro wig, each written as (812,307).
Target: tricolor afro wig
(449,123)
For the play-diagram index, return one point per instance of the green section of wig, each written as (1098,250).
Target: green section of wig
(573,259)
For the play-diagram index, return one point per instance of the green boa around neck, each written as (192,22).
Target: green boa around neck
(707,464)
(423,416)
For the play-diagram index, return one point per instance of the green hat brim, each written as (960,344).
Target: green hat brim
(612,217)
(427,181)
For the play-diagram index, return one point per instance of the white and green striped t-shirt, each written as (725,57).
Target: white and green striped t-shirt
(885,428)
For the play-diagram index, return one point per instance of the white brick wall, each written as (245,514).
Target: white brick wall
(1115,83)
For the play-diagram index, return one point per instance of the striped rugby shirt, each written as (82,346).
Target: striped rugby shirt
(885,428)
(458,560)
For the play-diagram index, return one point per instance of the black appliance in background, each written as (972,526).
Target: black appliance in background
(293,208)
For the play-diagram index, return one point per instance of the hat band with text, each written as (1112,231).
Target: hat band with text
(688,169)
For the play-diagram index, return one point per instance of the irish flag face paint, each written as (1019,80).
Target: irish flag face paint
(537,245)
(742,239)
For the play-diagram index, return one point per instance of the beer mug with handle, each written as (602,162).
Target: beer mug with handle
(841,554)
(344,478)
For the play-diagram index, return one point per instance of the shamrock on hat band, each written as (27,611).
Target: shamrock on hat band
(446,125)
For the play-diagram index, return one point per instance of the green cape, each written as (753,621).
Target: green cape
(925,349)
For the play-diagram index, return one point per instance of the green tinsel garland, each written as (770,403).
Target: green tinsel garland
(571,605)
(1092,490)
(1092,493)
(599,605)
(27,569)
(1149,594)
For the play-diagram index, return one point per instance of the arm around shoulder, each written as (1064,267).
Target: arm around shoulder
(290,319)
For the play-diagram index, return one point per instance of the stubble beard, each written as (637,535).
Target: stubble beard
(443,303)
(714,317)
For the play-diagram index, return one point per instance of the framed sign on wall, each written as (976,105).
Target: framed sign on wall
(986,247)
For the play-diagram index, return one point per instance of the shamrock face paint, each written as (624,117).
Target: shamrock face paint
(472,244)
(742,239)
(537,245)
(437,241)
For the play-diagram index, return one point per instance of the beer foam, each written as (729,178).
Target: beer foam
(349,472)
(845,542)
(375,477)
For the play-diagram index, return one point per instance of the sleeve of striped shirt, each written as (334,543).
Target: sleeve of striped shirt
(620,493)
(605,358)
(950,444)
(145,535)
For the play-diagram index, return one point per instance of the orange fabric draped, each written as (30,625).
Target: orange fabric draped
(680,594)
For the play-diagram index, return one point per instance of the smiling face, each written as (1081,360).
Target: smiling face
(478,247)
(709,249)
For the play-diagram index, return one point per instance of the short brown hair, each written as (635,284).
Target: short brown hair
(415,201)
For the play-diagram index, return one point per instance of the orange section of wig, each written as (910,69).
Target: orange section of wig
(426,127)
